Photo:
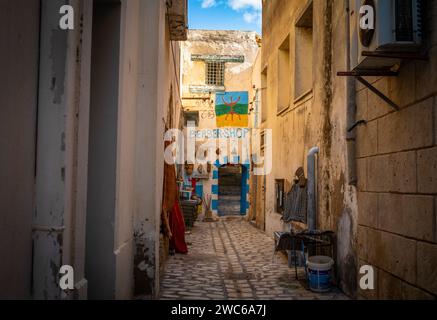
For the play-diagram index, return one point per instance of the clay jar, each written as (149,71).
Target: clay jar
(189,169)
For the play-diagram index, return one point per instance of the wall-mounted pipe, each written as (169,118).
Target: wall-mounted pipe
(312,210)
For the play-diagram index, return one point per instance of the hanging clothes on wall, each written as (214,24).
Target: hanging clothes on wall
(172,217)
(295,202)
(170,192)
(177,227)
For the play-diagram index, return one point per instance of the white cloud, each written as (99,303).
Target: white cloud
(245,4)
(251,9)
(251,17)
(208,3)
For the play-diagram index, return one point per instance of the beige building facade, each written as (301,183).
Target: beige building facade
(257,182)
(376,183)
(214,63)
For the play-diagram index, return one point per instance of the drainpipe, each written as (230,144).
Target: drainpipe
(312,219)
(351,106)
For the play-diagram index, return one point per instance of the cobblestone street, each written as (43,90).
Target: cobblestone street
(233,260)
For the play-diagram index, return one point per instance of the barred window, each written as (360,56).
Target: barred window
(215,73)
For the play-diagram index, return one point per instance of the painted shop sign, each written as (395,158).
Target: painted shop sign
(228,133)
(232,109)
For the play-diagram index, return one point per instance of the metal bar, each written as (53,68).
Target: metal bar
(395,55)
(367,73)
(217,58)
(195,98)
(378,93)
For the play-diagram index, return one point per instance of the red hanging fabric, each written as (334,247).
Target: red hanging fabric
(177,225)
(193,184)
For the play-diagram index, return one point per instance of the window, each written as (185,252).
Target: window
(304,53)
(191,117)
(263,143)
(279,188)
(264,92)
(284,75)
(215,73)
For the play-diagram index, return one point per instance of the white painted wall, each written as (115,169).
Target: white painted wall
(148,76)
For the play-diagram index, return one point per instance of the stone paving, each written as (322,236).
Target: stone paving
(232,260)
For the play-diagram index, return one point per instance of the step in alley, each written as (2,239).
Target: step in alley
(232,260)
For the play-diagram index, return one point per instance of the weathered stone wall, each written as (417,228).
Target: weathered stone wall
(397,172)
(388,220)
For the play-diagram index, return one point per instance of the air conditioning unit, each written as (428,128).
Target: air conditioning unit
(397,28)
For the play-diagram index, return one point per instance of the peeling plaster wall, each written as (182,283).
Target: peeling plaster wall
(124,206)
(340,208)
(256,213)
(148,89)
(317,119)
(146,209)
(62,151)
(158,85)
(237,75)
(51,156)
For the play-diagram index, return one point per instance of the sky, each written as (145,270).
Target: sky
(225,14)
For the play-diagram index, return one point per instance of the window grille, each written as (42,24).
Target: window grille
(215,73)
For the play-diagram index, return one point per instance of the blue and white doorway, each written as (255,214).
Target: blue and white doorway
(231,190)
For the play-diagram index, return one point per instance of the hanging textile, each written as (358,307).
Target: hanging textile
(177,227)
(171,216)
(295,202)
(170,192)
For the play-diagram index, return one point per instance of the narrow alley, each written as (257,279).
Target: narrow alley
(231,259)
(215,149)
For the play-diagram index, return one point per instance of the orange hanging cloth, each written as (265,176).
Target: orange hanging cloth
(170,185)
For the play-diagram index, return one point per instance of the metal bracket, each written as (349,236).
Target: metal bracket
(395,55)
(386,72)
(368,73)
(378,93)
(359,76)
